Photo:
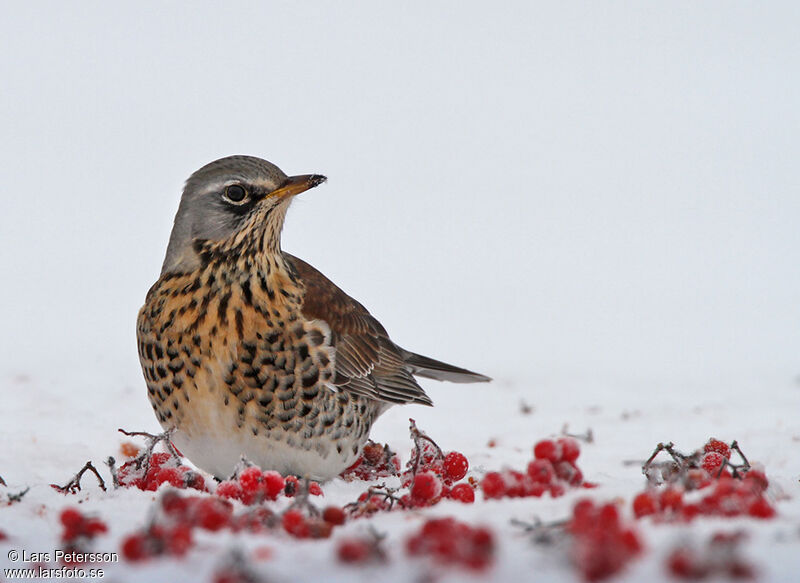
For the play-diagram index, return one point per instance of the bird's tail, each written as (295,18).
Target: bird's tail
(429,368)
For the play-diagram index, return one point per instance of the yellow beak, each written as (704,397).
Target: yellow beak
(296,184)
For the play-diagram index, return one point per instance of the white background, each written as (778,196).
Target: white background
(597,204)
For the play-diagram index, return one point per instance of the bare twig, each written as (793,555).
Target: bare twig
(18,496)
(152,440)
(586,437)
(418,437)
(542,532)
(302,500)
(74,485)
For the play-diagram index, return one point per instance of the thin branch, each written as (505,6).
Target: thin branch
(74,485)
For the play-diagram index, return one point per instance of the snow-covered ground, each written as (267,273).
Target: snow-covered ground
(595,204)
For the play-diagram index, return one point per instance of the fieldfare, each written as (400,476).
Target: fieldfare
(249,351)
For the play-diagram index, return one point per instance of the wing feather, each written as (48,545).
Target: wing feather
(367,362)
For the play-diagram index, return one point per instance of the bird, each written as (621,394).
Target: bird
(250,352)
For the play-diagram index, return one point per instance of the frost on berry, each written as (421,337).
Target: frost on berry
(429,477)
(705,482)
(455,466)
(602,544)
(426,488)
(462,493)
(719,558)
(717,446)
(449,541)
(376,461)
(150,469)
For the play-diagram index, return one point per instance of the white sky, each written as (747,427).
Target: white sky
(535,189)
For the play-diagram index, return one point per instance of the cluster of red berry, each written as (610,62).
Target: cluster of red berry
(430,476)
(78,531)
(170,531)
(553,469)
(150,470)
(252,486)
(312,524)
(376,461)
(601,544)
(724,489)
(434,478)
(720,559)
(451,542)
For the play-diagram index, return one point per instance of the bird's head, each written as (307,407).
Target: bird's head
(230,203)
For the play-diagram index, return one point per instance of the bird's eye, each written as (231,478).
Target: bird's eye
(235,193)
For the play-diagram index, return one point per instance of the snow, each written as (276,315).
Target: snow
(594,204)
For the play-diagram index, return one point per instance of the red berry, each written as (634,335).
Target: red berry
(353,550)
(535,488)
(547,449)
(541,471)
(515,483)
(159,459)
(229,489)
(318,528)
(295,524)
(425,488)
(711,462)
(134,547)
(250,479)
(314,489)
(463,493)
(569,473)
(608,518)
(334,515)
(718,446)
(455,466)
(193,480)
(672,498)
(760,508)
(757,480)
(179,539)
(71,519)
(213,513)
(682,563)
(94,526)
(290,486)
(583,514)
(372,453)
(274,484)
(645,504)
(172,476)
(570,449)
(493,485)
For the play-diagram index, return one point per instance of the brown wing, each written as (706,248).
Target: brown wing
(367,361)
